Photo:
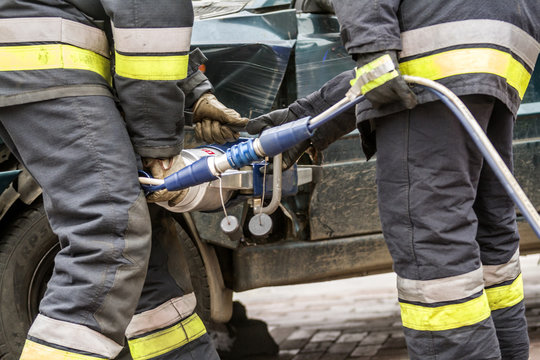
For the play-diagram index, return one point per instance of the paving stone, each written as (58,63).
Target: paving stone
(308,356)
(342,348)
(280,334)
(368,350)
(301,334)
(325,336)
(375,338)
(320,346)
(352,337)
(328,356)
(293,344)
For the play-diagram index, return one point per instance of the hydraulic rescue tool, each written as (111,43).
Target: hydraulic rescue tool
(276,140)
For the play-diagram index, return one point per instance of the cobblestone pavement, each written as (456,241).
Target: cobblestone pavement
(354,318)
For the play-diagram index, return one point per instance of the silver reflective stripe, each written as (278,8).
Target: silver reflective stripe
(496,274)
(500,33)
(21,30)
(154,40)
(164,315)
(438,290)
(74,336)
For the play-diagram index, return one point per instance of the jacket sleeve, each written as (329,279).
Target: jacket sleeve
(368,25)
(151,54)
(315,103)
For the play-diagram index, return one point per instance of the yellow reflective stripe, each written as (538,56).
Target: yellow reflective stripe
(55,56)
(469,61)
(501,297)
(152,67)
(379,81)
(445,317)
(163,341)
(34,351)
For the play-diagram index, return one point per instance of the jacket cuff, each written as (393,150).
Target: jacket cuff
(159,152)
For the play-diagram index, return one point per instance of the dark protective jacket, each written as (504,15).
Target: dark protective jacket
(58,48)
(473,47)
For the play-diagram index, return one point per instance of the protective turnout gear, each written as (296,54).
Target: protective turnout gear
(312,105)
(213,120)
(449,225)
(378,78)
(160,169)
(64,126)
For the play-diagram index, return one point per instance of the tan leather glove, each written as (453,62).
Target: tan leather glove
(160,169)
(213,120)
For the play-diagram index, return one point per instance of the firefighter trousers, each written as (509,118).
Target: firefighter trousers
(451,230)
(108,268)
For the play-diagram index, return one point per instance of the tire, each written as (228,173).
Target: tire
(197,271)
(27,253)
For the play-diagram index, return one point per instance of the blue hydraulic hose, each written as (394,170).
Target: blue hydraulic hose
(513,195)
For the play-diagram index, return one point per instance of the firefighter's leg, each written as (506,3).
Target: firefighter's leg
(427,171)
(499,245)
(165,325)
(79,152)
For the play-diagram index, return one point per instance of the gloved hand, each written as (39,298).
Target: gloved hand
(380,80)
(160,169)
(275,118)
(213,120)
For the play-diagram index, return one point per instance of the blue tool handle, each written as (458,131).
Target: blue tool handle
(195,174)
(281,138)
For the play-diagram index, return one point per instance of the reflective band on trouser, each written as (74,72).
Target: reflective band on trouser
(51,29)
(73,336)
(162,316)
(165,67)
(470,61)
(161,342)
(441,290)
(35,351)
(445,317)
(505,296)
(496,274)
(56,56)
(469,32)
(154,40)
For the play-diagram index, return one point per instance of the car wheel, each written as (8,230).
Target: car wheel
(27,251)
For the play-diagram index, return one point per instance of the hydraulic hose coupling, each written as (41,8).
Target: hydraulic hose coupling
(241,154)
(281,138)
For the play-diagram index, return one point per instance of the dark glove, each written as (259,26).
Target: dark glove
(160,169)
(214,122)
(275,118)
(380,81)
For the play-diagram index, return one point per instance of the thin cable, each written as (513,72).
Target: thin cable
(222,201)
(263,191)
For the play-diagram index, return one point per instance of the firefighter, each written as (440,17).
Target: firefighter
(60,119)
(448,223)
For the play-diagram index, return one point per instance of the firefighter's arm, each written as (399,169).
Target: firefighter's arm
(371,34)
(151,46)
